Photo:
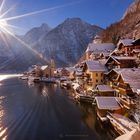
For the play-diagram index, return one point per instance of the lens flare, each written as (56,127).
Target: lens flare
(5,27)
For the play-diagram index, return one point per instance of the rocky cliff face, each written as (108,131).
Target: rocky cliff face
(127,27)
(67,42)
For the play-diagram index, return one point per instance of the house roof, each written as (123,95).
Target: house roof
(130,76)
(124,57)
(94,65)
(126,42)
(136,50)
(104,88)
(109,103)
(44,67)
(136,42)
(119,58)
(70,69)
(100,47)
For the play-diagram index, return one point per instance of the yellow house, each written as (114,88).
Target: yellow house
(94,71)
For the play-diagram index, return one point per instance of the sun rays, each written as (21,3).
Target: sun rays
(7,28)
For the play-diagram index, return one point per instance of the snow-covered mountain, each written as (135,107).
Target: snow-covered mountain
(14,56)
(36,33)
(67,42)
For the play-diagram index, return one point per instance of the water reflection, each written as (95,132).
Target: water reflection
(7,76)
(3,129)
(43,111)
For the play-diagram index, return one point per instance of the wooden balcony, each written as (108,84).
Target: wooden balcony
(128,103)
(122,88)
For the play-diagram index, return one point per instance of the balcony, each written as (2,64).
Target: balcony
(128,103)
(123,89)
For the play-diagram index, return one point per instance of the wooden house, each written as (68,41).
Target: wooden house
(107,104)
(120,62)
(125,46)
(126,82)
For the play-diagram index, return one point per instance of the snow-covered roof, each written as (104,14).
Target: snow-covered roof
(70,69)
(109,103)
(94,65)
(136,50)
(119,58)
(126,42)
(130,76)
(100,47)
(124,57)
(104,88)
(75,86)
(44,67)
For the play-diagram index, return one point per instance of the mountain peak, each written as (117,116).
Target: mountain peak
(45,26)
(74,20)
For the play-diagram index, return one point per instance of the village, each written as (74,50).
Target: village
(107,76)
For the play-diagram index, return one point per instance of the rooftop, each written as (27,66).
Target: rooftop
(100,47)
(104,88)
(126,42)
(109,103)
(44,67)
(94,65)
(136,50)
(130,76)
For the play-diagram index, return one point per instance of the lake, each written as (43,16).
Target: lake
(45,112)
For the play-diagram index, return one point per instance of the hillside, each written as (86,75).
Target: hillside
(127,27)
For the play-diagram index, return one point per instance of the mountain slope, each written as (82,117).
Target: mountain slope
(14,56)
(36,33)
(67,42)
(128,26)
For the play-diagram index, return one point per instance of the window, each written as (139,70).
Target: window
(96,81)
(96,74)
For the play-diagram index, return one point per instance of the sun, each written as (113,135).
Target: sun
(7,28)
(3,23)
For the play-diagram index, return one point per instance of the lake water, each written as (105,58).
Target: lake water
(45,112)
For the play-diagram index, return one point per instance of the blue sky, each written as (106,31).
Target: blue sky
(98,12)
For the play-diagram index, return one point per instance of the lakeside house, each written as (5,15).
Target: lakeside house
(126,82)
(94,72)
(120,62)
(107,104)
